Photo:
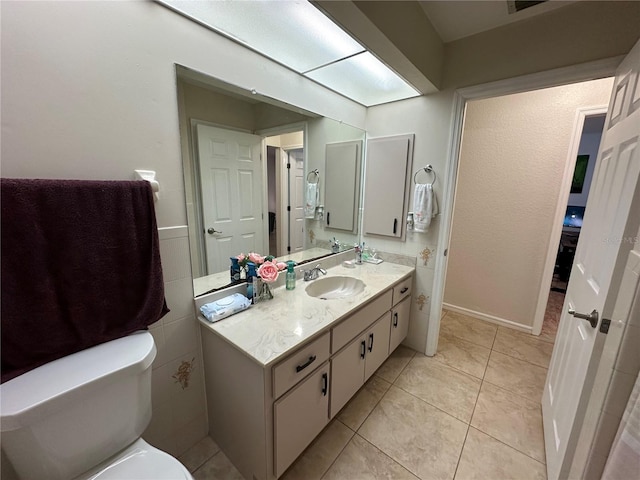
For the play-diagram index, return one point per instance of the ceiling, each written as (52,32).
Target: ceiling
(454,20)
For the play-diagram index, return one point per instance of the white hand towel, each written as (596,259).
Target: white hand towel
(311,200)
(425,206)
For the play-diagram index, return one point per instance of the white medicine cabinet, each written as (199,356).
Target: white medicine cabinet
(342,187)
(387,185)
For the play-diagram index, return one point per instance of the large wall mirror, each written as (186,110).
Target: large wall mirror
(255,172)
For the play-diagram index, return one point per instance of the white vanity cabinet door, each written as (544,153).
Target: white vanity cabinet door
(351,367)
(377,345)
(400,315)
(347,373)
(386,185)
(299,417)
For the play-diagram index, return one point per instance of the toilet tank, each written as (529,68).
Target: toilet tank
(61,419)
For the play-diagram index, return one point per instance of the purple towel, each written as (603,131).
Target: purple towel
(80,266)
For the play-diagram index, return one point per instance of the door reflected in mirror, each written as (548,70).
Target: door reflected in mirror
(246,164)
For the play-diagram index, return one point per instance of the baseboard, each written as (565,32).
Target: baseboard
(487,318)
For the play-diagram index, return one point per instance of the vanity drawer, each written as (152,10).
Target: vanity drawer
(304,361)
(356,323)
(402,290)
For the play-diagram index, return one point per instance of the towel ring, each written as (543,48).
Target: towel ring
(315,172)
(428,169)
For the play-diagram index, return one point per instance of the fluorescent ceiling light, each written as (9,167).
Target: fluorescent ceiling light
(296,34)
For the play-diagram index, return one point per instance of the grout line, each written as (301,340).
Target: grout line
(434,406)
(455,472)
(390,457)
(339,453)
(507,445)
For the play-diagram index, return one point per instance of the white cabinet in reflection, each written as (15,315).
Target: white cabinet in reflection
(387,184)
(342,185)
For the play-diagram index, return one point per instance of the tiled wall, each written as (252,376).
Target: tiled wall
(179,413)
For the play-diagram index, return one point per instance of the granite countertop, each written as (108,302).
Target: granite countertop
(268,331)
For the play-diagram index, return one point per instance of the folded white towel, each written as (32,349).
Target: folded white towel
(224,307)
(311,200)
(425,206)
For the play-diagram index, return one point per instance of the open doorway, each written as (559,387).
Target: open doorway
(285,175)
(509,188)
(585,156)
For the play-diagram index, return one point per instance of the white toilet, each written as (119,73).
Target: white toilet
(81,417)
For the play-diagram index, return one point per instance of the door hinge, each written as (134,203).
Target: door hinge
(446,250)
(604,326)
(288,165)
(288,248)
(288,208)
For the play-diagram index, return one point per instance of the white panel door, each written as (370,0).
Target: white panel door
(342,177)
(231,187)
(613,205)
(296,200)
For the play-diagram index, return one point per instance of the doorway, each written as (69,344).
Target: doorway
(512,164)
(285,175)
(587,150)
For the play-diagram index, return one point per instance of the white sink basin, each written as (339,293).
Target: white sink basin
(335,287)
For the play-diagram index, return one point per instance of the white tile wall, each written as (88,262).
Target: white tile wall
(179,418)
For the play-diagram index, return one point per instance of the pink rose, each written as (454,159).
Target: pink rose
(256,258)
(268,271)
(241,257)
(281,265)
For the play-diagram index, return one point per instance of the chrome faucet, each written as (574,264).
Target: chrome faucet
(313,273)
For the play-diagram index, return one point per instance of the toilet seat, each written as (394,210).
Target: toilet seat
(139,461)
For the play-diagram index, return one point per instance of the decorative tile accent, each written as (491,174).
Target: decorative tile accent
(183,374)
(426,255)
(422,300)
(312,236)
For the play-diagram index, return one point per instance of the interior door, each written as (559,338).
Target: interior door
(231,187)
(296,200)
(612,208)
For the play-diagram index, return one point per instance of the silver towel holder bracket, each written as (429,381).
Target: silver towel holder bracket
(428,169)
(315,172)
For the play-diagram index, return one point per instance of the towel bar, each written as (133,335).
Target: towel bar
(315,172)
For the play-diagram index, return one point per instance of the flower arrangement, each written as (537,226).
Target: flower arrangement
(268,267)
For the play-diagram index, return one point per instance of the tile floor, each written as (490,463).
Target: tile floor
(470,412)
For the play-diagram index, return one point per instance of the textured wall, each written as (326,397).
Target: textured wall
(513,153)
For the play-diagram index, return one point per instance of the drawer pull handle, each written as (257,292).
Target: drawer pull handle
(325,384)
(370,342)
(404,290)
(328,217)
(299,368)
(395,225)
(363,345)
(395,320)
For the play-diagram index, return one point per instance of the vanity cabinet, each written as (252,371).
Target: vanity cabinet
(299,416)
(264,415)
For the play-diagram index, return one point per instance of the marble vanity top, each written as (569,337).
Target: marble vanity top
(270,330)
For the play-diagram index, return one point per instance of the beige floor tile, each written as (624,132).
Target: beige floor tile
(199,453)
(423,439)
(511,419)
(448,389)
(469,329)
(396,362)
(317,459)
(362,461)
(360,406)
(523,346)
(462,355)
(217,468)
(484,457)
(515,375)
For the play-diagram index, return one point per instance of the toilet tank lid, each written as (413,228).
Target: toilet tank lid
(40,392)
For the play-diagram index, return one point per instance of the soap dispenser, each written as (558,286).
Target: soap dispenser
(291,275)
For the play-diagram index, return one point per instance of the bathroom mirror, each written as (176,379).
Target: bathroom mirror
(235,148)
